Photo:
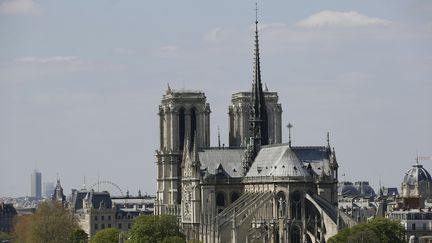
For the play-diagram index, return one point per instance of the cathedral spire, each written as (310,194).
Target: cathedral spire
(258,112)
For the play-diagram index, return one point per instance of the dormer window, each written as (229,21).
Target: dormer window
(259,169)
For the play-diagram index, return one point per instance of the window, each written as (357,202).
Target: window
(119,225)
(295,206)
(424,226)
(413,227)
(109,217)
(102,226)
(96,217)
(102,217)
(96,226)
(109,225)
(220,199)
(234,196)
(129,225)
(193,125)
(182,127)
(296,234)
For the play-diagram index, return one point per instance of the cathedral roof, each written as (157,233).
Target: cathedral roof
(317,156)
(279,161)
(229,159)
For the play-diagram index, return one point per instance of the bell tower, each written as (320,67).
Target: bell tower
(184,116)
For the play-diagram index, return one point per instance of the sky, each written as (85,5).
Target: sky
(81,81)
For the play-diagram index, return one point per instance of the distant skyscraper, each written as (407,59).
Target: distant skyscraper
(36,184)
(48,189)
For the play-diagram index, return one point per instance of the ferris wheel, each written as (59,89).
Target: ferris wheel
(98,184)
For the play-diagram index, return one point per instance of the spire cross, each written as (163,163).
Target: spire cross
(289,133)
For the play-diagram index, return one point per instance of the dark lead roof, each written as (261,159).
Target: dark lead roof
(416,175)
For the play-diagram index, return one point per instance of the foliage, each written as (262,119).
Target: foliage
(79,236)
(21,229)
(154,229)
(109,235)
(364,236)
(173,239)
(377,230)
(4,236)
(51,223)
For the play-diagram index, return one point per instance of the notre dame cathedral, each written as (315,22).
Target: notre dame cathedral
(255,190)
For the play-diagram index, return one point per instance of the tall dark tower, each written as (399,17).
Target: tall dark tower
(258,113)
(36,184)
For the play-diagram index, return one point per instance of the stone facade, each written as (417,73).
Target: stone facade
(184,115)
(239,116)
(97,210)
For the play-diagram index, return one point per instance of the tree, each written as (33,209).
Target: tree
(377,230)
(109,235)
(79,236)
(364,236)
(173,239)
(154,229)
(21,229)
(387,230)
(52,223)
(4,236)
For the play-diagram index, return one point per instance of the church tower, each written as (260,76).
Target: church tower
(255,114)
(184,116)
(239,116)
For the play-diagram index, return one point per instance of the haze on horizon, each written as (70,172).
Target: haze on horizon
(81,81)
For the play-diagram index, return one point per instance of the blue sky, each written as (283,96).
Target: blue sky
(80,81)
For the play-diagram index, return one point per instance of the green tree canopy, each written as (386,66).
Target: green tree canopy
(79,236)
(377,230)
(155,229)
(109,235)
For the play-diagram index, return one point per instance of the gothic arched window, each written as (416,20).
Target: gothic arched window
(234,196)
(220,199)
(182,127)
(296,205)
(193,125)
(295,234)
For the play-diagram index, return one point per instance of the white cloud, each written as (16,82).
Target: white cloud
(17,7)
(45,60)
(329,18)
